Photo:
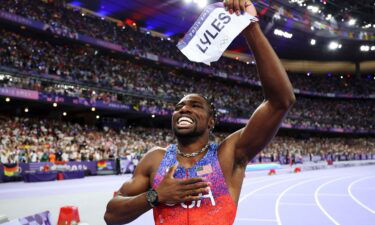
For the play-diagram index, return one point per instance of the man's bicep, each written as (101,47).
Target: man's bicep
(139,183)
(135,186)
(259,130)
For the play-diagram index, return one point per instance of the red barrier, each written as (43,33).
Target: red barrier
(60,176)
(272,172)
(297,170)
(68,216)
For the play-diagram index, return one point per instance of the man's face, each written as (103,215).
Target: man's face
(191,117)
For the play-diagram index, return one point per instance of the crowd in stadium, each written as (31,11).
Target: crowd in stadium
(84,71)
(315,149)
(97,68)
(36,140)
(55,12)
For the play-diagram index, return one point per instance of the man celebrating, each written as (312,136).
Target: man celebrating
(193,182)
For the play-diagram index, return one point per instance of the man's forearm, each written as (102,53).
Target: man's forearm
(122,210)
(275,82)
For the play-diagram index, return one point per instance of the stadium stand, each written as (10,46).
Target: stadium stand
(94,67)
(64,67)
(38,140)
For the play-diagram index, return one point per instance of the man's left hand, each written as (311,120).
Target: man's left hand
(240,6)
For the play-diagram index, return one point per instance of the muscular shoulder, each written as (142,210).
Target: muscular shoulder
(229,152)
(154,153)
(151,160)
(140,181)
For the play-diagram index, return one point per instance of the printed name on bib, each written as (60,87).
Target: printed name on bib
(210,34)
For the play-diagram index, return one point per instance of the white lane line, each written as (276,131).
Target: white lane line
(297,204)
(304,195)
(316,197)
(333,195)
(277,205)
(265,177)
(255,182)
(263,180)
(257,220)
(356,199)
(365,188)
(264,187)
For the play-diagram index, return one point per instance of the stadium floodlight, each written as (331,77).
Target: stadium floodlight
(372,48)
(65,114)
(93,109)
(333,45)
(26,110)
(54,104)
(367,26)
(313,9)
(153,115)
(312,42)
(352,22)
(202,3)
(283,33)
(365,48)
(329,17)
(7,99)
(97,117)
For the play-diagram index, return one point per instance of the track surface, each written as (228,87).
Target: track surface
(334,196)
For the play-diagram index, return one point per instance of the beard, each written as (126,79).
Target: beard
(194,133)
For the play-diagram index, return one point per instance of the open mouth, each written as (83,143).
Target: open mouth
(185,122)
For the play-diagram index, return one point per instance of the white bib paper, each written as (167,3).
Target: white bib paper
(212,33)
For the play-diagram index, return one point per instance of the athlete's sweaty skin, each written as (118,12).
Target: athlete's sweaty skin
(233,154)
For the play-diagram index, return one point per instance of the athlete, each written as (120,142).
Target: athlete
(192,182)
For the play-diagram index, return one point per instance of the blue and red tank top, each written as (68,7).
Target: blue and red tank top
(215,208)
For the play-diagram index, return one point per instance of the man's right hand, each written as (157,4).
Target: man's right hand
(172,191)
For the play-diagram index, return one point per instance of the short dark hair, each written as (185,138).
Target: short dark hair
(210,104)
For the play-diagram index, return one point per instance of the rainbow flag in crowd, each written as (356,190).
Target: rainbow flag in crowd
(102,165)
(11,170)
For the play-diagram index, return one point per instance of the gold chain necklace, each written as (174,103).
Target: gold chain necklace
(189,155)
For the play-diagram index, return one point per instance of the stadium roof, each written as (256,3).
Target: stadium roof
(174,17)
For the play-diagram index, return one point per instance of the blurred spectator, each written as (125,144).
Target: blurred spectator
(37,140)
(56,13)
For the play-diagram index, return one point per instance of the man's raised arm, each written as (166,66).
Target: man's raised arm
(278,91)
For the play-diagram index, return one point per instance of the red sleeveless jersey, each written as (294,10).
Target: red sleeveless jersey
(215,208)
